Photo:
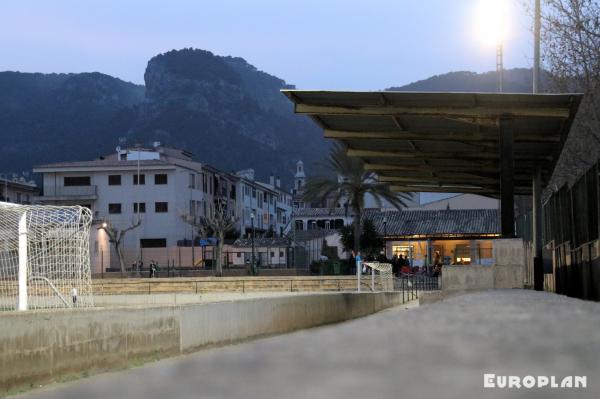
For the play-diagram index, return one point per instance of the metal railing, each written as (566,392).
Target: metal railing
(69,191)
(411,285)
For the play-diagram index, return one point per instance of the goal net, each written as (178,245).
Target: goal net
(382,278)
(44,257)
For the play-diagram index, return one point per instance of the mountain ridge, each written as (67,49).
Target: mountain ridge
(224,110)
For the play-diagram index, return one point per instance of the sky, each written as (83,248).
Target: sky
(326,44)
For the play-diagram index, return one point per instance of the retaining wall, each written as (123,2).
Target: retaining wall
(37,347)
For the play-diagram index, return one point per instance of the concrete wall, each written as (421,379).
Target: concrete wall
(506,272)
(43,346)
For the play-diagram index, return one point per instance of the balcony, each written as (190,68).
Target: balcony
(69,193)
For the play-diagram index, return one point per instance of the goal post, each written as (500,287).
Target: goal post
(44,257)
(385,280)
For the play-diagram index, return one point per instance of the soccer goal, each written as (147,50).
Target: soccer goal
(44,257)
(382,277)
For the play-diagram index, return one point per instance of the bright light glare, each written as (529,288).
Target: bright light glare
(490,21)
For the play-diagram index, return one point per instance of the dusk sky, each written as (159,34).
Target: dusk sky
(327,44)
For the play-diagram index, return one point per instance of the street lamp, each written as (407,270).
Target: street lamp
(253,266)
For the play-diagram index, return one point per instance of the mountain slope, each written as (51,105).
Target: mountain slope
(222,109)
(46,118)
(225,112)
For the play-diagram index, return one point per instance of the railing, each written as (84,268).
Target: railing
(412,284)
(69,191)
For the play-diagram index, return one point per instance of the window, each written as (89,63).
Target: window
(232,192)
(114,180)
(161,207)
(160,178)
(253,192)
(142,179)
(142,206)
(18,198)
(192,208)
(192,183)
(239,255)
(153,242)
(114,208)
(204,187)
(71,181)
(266,197)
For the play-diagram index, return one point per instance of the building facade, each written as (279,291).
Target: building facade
(17,190)
(158,186)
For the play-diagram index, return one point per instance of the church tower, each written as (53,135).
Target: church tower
(299,177)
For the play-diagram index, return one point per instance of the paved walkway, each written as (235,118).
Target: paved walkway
(435,351)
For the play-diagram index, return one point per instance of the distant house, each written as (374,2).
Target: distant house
(462,236)
(17,190)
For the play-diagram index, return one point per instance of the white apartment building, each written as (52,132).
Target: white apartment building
(156,185)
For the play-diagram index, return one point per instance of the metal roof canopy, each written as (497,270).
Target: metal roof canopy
(484,143)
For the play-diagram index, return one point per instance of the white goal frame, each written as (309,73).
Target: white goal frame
(44,257)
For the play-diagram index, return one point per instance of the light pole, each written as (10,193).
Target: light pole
(253,266)
(491,21)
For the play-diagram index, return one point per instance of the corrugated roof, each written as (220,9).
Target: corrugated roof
(437,222)
(444,142)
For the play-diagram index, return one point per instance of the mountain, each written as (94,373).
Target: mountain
(226,112)
(53,117)
(222,109)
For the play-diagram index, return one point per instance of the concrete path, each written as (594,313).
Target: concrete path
(435,351)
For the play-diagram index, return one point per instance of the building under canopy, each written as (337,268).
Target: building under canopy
(493,144)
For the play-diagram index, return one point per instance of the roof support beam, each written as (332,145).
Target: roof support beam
(430,136)
(507,199)
(442,155)
(476,112)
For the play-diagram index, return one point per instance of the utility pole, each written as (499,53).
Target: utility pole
(538,261)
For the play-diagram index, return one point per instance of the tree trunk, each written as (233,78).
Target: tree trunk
(120,256)
(357,230)
(219,264)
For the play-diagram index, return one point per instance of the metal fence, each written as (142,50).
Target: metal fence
(571,218)
(411,285)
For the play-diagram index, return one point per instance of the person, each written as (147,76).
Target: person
(152,271)
(437,258)
(74,296)
(358,261)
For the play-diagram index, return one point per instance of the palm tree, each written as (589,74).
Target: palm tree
(345,178)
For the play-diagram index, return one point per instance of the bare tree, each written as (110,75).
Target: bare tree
(116,236)
(218,222)
(571,54)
